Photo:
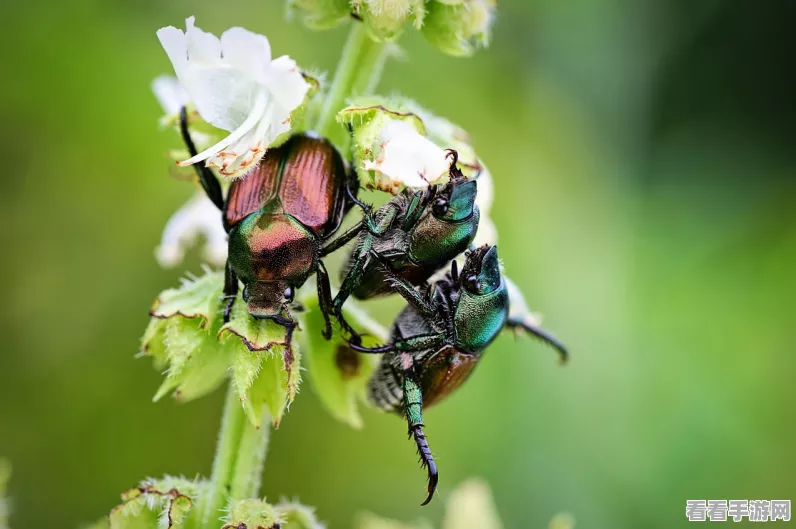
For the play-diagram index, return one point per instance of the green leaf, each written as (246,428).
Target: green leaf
(197,363)
(196,298)
(257,335)
(252,514)
(339,375)
(153,343)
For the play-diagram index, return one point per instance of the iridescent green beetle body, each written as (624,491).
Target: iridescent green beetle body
(414,234)
(437,340)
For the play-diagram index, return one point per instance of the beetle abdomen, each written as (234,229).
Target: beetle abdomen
(250,193)
(313,184)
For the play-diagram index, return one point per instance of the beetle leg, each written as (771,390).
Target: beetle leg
(404,288)
(413,409)
(342,239)
(230,290)
(207,179)
(409,345)
(324,298)
(352,279)
(546,337)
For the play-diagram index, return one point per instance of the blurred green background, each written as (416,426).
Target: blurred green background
(643,155)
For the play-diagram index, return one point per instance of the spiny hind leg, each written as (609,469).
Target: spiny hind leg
(413,409)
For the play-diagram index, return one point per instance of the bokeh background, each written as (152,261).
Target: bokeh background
(643,155)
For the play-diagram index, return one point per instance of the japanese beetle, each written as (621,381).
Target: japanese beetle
(278,218)
(416,233)
(437,340)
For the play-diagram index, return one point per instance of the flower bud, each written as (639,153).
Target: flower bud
(251,513)
(296,516)
(385,19)
(321,14)
(390,147)
(458,27)
(166,503)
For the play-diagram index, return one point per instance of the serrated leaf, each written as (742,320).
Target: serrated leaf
(198,298)
(186,343)
(257,335)
(339,375)
(153,343)
(251,513)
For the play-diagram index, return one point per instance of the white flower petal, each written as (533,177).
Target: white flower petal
(202,46)
(224,96)
(285,83)
(199,216)
(237,134)
(174,42)
(170,94)
(487,232)
(246,51)
(407,157)
(486,190)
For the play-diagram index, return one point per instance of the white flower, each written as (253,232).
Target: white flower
(406,157)
(170,94)
(199,216)
(236,87)
(487,232)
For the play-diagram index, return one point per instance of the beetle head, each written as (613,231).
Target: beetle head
(481,271)
(455,200)
(268,299)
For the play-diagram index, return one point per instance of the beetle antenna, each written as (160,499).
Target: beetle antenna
(455,271)
(543,335)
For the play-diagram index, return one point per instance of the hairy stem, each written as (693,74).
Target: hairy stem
(248,471)
(238,464)
(357,73)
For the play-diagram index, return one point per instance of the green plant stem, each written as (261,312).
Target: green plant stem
(238,464)
(357,73)
(247,475)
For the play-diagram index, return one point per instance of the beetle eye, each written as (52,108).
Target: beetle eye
(289,293)
(472,283)
(440,207)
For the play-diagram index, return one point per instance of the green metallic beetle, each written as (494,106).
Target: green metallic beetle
(416,233)
(438,339)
